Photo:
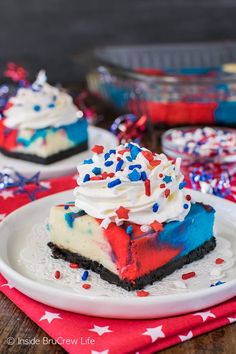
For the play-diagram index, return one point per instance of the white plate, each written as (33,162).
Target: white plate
(25,261)
(63,167)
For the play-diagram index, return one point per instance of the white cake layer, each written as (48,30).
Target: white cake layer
(53,143)
(85,237)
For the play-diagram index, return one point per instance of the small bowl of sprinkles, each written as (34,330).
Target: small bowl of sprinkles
(201,144)
(212,150)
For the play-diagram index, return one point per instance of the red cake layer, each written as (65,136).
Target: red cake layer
(177,113)
(137,256)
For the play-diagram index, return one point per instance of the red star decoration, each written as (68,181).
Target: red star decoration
(98,149)
(122,213)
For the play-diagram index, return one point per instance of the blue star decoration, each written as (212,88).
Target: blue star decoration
(167,179)
(33,181)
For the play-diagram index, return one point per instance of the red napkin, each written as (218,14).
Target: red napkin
(92,335)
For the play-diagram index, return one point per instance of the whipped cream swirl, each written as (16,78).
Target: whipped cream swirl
(147,185)
(40,106)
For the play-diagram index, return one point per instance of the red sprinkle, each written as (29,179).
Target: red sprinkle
(162,185)
(219,261)
(160,175)
(122,152)
(142,293)
(86,286)
(157,226)
(96,178)
(155,163)
(148,155)
(98,149)
(57,274)
(147,187)
(188,275)
(106,174)
(188,197)
(74,265)
(167,193)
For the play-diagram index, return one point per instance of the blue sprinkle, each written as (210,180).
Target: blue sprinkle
(134,151)
(155,207)
(130,145)
(112,151)
(119,165)
(182,185)
(134,176)
(51,105)
(108,163)
(88,162)
(143,176)
(219,282)
(85,275)
(37,108)
(129,230)
(106,156)
(131,167)
(114,183)
(86,178)
(167,179)
(128,158)
(97,170)
(66,207)
(185,206)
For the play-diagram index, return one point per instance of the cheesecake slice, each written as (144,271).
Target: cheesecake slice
(132,220)
(127,255)
(41,124)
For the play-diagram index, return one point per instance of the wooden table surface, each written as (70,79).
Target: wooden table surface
(14,323)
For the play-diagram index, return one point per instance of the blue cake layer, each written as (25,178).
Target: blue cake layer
(76,132)
(191,233)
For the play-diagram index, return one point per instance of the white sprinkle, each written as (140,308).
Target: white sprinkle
(177,165)
(145,228)
(105,223)
(180,284)
(119,222)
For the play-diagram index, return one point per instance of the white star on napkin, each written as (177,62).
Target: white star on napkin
(187,337)
(100,330)
(205,315)
(154,333)
(50,316)
(231,319)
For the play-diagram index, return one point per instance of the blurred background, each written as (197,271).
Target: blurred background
(59,35)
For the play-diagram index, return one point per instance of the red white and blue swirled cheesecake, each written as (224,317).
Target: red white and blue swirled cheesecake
(132,220)
(41,124)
